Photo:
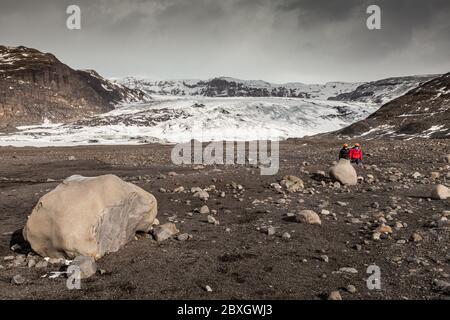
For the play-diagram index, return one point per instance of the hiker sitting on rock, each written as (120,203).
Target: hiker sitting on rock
(356,154)
(345,152)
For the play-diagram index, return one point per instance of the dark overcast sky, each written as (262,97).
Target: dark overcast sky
(280,41)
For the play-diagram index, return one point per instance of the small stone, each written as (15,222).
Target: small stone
(270,231)
(202,195)
(16,247)
(164,231)
(375,205)
(440,192)
(308,217)
(212,220)
(286,236)
(204,210)
(416,237)
(183,236)
(31,263)
(324,258)
(18,280)
(384,229)
(42,264)
(334,295)
(8,258)
(351,288)
(348,270)
(87,266)
(208,289)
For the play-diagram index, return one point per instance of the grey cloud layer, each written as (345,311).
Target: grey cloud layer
(284,40)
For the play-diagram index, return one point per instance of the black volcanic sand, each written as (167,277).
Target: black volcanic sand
(244,262)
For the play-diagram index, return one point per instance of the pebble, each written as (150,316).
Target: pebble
(208,289)
(286,236)
(204,209)
(351,288)
(348,270)
(212,220)
(334,295)
(18,279)
(270,231)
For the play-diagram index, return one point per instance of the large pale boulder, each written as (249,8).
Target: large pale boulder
(440,192)
(89,217)
(344,172)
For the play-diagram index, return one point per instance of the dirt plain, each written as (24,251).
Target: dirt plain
(237,258)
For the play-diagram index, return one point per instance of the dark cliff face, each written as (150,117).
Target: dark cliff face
(35,86)
(218,87)
(422,112)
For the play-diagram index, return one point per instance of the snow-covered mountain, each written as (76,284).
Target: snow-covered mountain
(231,87)
(383,91)
(423,112)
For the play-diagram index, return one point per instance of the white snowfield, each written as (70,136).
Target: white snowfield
(180,119)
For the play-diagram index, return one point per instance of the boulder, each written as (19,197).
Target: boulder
(440,192)
(89,216)
(308,217)
(344,173)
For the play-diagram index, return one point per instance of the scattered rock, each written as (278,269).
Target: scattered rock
(292,183)
(308,217)
(87,266)
(334,295)
(416,237)
(212,220)
(270,231)
(18,280)
(202,195)
(184,236)
(42,264)
(16,247)
(351,288)
(204,210)
(440,192)
(208,289)
(348,270)
(286,236)
(164,231)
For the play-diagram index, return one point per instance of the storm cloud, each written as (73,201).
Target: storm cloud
(279,41)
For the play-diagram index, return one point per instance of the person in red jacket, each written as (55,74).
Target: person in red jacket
(356,154)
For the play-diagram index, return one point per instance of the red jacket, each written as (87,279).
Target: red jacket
(355,154)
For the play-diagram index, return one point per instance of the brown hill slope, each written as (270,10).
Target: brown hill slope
(35,86)
(422,112)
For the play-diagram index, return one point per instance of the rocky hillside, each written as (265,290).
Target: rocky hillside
(35,86)
(231,87)
(422,112)
(382,91)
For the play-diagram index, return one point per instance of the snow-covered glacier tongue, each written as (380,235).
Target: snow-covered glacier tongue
(178,119)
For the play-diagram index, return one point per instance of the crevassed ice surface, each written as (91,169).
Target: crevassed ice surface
(176,119)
